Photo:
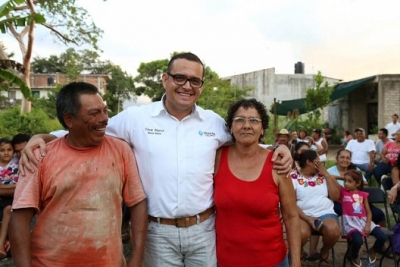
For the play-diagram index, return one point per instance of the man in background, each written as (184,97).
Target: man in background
(18,142)
(393,126)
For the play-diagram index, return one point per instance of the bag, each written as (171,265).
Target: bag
(396,238)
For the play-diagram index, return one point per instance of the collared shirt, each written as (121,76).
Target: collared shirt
(175,158)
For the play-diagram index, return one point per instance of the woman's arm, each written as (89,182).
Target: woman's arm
(290,216)
(383,155)
(392,195)
(332,184)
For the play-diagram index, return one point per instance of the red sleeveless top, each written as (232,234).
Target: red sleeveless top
(248,227)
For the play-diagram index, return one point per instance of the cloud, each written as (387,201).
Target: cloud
(343,39)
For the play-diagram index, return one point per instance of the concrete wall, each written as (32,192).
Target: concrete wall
(389,97)
(268,85)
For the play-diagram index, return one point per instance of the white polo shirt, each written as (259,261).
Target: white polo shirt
(360,151)
(175,158)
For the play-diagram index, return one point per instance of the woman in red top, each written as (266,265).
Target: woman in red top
(249,197)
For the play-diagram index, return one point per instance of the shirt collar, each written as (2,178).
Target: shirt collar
(160,108)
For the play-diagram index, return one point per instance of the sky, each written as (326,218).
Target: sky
(343,39)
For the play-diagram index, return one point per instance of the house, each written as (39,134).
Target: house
(367,102)
(41,83)
(269,85)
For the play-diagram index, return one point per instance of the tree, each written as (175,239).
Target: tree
(149,79)
(316,99)
(218,94)
(72,63)
(120,87)
(67,22)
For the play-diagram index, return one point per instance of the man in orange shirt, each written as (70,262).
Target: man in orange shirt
(77,191)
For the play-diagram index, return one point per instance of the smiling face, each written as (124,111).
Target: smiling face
(249,131)
(88,127)
(344,159)
(180,99)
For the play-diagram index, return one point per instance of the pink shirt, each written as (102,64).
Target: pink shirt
(78,194)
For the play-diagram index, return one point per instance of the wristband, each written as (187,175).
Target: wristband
(275,147)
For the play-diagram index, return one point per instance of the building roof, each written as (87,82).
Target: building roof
(340,90)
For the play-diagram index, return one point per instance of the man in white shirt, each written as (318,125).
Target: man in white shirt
(393,127)
(175,143)
(363,152)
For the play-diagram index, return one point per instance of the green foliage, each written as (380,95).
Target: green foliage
(12,122)
(150,78)
(119,88)
(218,94)
(316,99)
(71,62)
(48,105)
(11,78)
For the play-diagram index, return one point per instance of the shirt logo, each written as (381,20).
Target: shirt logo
(154,131)
(208,134)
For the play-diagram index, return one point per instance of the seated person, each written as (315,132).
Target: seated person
(389,155)
(316,190)
(337,171)
(8,180)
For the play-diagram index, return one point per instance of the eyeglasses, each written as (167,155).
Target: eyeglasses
(252,120)
(182,79)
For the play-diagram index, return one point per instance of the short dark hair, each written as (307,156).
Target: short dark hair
(68,102)
(188,56)
(5,140)
(384,131)
(20,138)
(300,145)
(318,131)
(246,104)
(395,115)
(302,158)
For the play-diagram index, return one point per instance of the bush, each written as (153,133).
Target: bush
(12,122)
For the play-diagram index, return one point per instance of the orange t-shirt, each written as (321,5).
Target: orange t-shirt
(78,194)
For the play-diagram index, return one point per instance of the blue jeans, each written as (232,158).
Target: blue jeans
(381,169)
(364,167)
(193,246)
(357,241)
(284,263)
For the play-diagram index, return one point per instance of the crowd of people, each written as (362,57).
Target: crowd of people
(201,190)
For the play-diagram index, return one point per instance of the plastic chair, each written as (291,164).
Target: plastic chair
(377,196)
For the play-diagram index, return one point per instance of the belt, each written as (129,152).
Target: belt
(185,221)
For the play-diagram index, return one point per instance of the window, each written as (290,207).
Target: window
(36,94)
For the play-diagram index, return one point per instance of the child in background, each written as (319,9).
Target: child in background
(356,218)
(8,179)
